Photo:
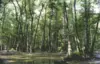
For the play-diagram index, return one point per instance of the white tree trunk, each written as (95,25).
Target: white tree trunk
(69,48)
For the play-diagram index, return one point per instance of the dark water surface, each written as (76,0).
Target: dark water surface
(48,62)
(41,59)
(29,62)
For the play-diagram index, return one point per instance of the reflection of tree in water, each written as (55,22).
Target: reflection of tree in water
(34,62)
(2,61)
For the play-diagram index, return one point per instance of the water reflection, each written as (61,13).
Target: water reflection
(48,62)
(31,62)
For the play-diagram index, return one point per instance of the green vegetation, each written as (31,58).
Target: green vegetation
(65,26)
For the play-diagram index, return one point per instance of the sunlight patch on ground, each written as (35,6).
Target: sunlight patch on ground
(34,56)
(11,61)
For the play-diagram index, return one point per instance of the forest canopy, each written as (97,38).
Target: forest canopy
(50,25)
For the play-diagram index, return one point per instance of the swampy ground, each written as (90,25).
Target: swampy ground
(40,58)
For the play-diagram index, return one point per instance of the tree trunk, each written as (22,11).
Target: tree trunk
(86,34)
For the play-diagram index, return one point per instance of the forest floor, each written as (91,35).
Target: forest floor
(27,57)
(57,56)
(33,56)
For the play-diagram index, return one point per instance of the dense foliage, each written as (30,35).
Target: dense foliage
(49,25)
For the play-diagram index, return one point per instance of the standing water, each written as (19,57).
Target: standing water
(49,62)
(41,59)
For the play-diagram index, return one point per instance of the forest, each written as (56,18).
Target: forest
(50,26)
